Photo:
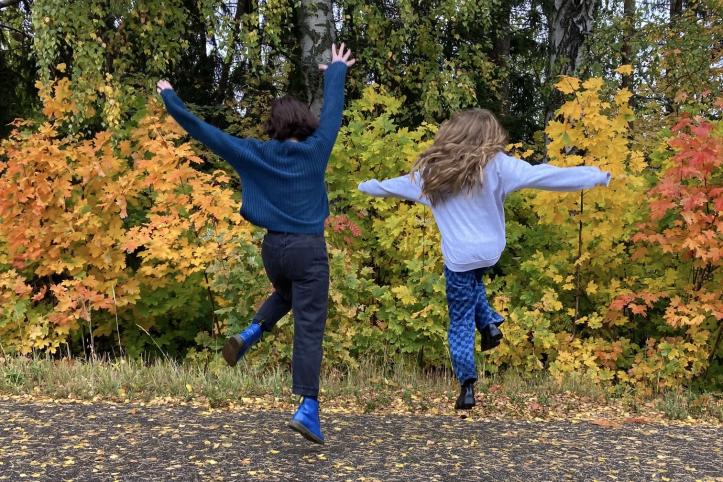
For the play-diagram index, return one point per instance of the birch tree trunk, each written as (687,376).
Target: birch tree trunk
(627,51)
(571,22)
(316,33)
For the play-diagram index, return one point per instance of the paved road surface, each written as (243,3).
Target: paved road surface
(50,441)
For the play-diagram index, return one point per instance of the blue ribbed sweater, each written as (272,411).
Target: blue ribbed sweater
(282,182)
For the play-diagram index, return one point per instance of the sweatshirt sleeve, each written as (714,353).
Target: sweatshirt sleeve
(223,144)
(333,106)
(403,187)
(516,174)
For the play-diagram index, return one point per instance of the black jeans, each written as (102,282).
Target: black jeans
(298,267)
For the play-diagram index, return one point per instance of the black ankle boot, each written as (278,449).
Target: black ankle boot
(465,401)
(491,337)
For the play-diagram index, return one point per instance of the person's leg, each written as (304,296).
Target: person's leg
(309,270)
(461,300)
(278,304)
(484,313)
(273,309)
(486,319)
(310,295)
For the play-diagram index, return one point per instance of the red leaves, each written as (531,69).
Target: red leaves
(685,221)
(341,224)
(688,189)
(637,303)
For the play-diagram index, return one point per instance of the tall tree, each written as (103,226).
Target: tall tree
(315,26)
(627,48)
(570,21)
(17,64)
(502,39)
(243,7)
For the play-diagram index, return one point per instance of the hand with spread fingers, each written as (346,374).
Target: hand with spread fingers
(340,55)
(163,85)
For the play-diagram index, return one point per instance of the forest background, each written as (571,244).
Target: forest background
(121,237)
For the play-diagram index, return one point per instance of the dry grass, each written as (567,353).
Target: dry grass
(375,386)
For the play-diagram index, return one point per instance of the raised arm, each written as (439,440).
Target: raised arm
(333,106)
(221,143)
(403,187)
(517,174)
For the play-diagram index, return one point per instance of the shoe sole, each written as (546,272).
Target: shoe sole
(490,343)
(230,351)
(463,406)
(305,432)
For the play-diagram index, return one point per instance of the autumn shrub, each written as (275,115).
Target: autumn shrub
(675,295)
(107,234)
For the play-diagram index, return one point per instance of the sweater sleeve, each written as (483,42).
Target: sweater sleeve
(223,144)
(333,106)
(516,174)
(403,187)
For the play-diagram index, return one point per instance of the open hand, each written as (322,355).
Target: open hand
(163,85)
(340,55)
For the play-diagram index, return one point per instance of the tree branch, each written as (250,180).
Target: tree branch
(13,29)
(8,3)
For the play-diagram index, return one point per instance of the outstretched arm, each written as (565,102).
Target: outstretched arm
(517,174)
(404,187)
(221,143)
(333,106)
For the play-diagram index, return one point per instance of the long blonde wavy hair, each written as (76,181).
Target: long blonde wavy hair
(462,148)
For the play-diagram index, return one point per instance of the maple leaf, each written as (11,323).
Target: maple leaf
(626,69)
(567,85)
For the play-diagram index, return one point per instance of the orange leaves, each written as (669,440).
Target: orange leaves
(637,303)
(59,104)
(74,209)
(689,190)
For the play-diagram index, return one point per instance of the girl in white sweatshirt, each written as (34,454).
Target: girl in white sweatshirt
(465,177)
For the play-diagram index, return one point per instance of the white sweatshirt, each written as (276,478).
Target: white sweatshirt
(472,224)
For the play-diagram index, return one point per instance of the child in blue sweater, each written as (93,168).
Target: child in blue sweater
(284,192)
(465,177)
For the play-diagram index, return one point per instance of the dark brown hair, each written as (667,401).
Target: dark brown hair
(290,118)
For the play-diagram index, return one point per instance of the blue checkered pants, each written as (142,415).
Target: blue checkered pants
(468,307)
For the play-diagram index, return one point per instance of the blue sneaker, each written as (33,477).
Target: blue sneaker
(236,346)
(306,420)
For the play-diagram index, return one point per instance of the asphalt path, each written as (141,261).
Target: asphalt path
(103,441)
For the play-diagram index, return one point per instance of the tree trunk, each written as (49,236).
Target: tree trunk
(629,31)
(194,73)
(676,8)
(501,53)
(571,21)
(242,7)
(316,33)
